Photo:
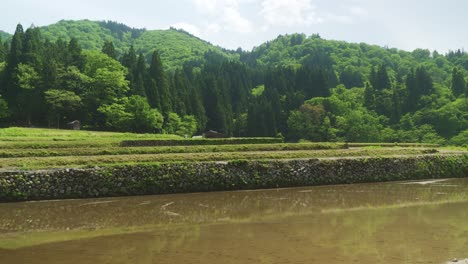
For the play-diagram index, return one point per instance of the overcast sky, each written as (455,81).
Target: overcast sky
(403,24)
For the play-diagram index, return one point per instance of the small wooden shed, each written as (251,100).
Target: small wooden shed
(74,125)
(214,134)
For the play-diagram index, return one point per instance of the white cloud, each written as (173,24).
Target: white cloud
(212,7)
(234,21)
(192,29)
(289,13)
(352,14)
(213,28)
(206,6)
(344,19)
(358,11)
(225,14)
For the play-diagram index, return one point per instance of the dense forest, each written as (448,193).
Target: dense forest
(112,77)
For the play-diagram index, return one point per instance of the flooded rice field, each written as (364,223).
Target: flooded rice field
(402,222)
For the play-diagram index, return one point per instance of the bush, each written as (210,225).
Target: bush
(460,139)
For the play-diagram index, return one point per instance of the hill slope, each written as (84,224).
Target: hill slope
(175,46)
(352,60)
(307,87)
(4,35)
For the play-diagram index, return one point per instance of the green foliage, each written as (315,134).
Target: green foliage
(27,77)
(172,123)
(305,87)
(62,103)
(109,50)
(347,118)
(352,77)
(116,118)
(107,81)
(72,79)
(4,112)
(133,115)
(258,91)
(4,35)
(185,126)
(460,139)
(458,82)
(308,123)
(160,85)
(176,47)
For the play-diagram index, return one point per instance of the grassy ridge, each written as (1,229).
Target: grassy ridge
(199,142)
(107,160)
(25,148)
(110,150)
(25,134)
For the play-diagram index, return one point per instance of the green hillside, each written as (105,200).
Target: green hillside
(4,35)
(297,86)
(353,62)
(175,46)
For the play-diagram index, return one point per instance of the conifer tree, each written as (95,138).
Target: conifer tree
(11,86)
(180,86)
(379,78)
(2,51)
(129,60)
(32,47)
(157,74)
(109,49)
(139,72)
(369,97)
(458,84)
(75,57)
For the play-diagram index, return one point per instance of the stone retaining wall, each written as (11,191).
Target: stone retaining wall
(216,176)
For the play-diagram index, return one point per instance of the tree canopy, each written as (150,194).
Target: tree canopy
(113,77)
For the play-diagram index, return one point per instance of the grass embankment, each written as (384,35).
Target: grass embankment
(24,148)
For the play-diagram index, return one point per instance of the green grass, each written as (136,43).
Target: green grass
(110,160)
(40,138)
(34,148)
(67,150)
(426,145)
(22,134)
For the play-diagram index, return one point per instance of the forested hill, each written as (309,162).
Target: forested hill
(175,46)
(112,77)
(353,62)
(4,35)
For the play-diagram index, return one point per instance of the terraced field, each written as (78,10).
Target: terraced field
(30,148)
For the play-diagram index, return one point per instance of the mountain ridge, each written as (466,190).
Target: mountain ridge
(175,46)
(303,87)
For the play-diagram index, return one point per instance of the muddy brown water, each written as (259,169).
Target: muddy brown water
(411,222)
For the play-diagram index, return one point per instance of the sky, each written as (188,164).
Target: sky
(402,24)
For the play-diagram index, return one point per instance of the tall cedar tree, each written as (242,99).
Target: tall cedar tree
(2,51)
(129,60)
(75,56)
(458,82)
(159,82)
(139,73)
(11,86)
(109,49)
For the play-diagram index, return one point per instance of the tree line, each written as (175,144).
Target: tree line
(319,97)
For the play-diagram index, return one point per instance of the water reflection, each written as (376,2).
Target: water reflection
(368,223)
